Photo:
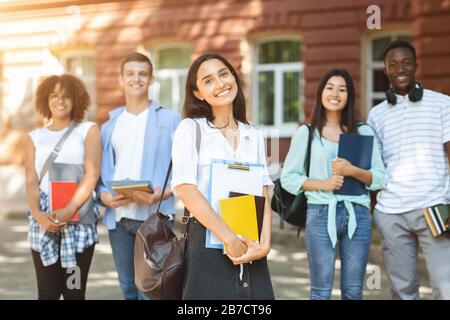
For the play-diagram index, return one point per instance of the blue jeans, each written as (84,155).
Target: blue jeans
(122,244)
(322,256)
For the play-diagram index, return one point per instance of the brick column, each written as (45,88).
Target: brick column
(431,34)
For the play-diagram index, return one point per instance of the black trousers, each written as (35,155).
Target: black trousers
(53,280)
(209,274)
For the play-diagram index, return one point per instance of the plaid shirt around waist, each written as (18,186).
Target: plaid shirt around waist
(66,244)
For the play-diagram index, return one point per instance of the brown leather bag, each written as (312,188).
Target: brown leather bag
(159,256)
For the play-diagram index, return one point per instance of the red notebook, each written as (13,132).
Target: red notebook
(61,193)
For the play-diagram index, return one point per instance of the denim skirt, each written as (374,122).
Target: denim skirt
(210,274)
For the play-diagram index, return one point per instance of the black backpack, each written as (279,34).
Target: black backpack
(291,208)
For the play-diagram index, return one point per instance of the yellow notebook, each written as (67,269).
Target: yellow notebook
(239,213)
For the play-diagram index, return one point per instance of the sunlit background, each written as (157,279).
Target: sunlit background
(281,48)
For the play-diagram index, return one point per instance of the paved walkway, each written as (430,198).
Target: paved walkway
(288,264)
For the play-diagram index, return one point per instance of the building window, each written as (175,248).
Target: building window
(82,65)
(171,65)
(277,78)
(377,82)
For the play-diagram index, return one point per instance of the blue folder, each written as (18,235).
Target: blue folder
(357,149)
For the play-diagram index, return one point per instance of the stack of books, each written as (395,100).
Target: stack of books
(127,187)
(243,214)
(437,218)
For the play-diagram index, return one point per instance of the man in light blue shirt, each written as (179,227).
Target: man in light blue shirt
(137,144)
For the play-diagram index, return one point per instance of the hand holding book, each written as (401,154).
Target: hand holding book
(342,167)
(357,150)
(128,189)
(146,197)
(115,201)
(437,218)
(64,215)
(235,248)
(255,251)
(61,193)
(138,191)
(447,225)
(244,214)
(332,183)
(48,223)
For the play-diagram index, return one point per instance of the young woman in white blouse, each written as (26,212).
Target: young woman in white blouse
(214,99)
(55,244)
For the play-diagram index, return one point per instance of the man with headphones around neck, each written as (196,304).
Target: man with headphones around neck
(412,127)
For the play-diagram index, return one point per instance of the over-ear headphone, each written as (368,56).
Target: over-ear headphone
(415,94)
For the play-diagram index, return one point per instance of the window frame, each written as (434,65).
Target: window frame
(284,129)
(174,74)
(371,65)
(90,80)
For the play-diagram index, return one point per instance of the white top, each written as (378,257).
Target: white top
(189,168)
(128,144)
(411,138)
(72,151)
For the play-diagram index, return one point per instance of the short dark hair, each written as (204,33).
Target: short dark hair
(72,86)
(399,44)
(348,119)
(196,108)
(136,56)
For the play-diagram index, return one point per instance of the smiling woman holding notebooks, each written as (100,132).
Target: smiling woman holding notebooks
(56,244)
(215,103)
(333,219)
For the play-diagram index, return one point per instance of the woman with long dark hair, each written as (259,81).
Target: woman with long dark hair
(215,103)
(333,220)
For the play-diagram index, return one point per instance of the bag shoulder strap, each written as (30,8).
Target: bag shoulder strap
(198,138)
(310,139)
(55,152)
(308,150)
(360,124)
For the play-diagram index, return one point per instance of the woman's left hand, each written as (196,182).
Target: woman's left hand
(62,216)
(255,251)
(342,167)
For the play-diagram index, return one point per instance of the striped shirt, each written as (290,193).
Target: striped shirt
(411,136)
